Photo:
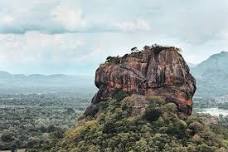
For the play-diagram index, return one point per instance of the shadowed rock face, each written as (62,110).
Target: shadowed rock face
(154,71)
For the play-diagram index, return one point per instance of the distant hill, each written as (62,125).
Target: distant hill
(192,65)
(38,83)
(212,75)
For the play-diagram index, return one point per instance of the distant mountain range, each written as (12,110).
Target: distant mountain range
(34,83)
(212,75)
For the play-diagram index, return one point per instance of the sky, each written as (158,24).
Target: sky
(75,36)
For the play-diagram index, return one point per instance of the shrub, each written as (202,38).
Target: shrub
(109,128)
(152,114)
(59,133)
(205,148)
(156,99)
(196,127)
(7,137)
(120,95)
(115,60)
(170,107)
(81,128)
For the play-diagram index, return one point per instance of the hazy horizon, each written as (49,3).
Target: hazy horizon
(89,74)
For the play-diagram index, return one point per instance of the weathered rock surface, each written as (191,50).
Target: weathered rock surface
(154,71)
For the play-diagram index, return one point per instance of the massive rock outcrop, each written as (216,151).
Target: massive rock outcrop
(154,71)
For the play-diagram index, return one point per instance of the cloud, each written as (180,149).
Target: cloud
(193,21)
(76,35)
(132,26)
(35,48)
(35,52)
(7,20)
(57,16)
(70,18)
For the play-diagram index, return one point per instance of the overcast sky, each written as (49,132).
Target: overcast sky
(75,36)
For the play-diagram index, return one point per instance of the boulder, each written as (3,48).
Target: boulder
(154,71)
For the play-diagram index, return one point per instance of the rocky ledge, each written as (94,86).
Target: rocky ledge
(153,71)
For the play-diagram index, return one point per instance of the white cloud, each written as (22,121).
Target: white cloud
(7,19)
(70,18)
(39,48)
(135,25)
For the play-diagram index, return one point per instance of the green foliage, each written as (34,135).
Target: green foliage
(153,110)
(120,95)
(156,99)
(152,113)
(7,137)
(172,107)
(196,127)
(226,142)
(109,128)
(82,128)
(37,120)
(159,129)
(115,60)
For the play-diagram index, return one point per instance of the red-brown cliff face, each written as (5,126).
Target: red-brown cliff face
(154,71)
